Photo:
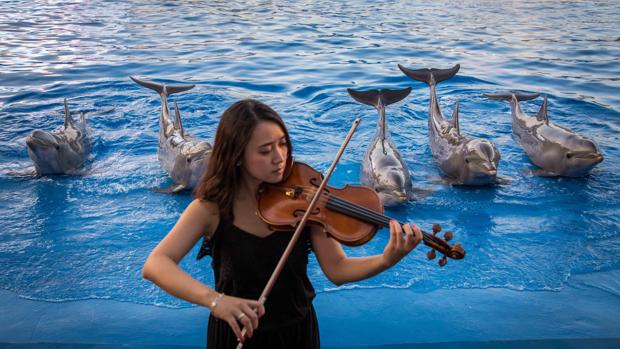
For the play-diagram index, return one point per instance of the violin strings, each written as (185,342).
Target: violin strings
(360,212)
(376,216)
(352,209)
(349,207)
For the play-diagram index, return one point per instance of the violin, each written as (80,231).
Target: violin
(352,215)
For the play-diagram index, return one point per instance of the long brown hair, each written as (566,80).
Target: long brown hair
(223,175)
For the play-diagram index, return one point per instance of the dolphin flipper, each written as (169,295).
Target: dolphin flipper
(27,172)
(162,88)
(430,76)
(539,172)
(175,188)
(521,96)
(375,97)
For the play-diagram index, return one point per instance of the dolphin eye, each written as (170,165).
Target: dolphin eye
(569,155)
(467,160)
(57,147)
(189,160)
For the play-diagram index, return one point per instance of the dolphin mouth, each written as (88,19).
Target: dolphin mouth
(491,173)
(40,139)
(391,196)
(485,170)
(591,157)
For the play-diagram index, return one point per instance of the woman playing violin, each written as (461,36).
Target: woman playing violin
(252,147)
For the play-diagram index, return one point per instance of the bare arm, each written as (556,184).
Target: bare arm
(161,267)
(341,269)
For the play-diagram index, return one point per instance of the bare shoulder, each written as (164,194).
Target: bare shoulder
(205,212)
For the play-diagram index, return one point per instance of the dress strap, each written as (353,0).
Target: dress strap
(206,248)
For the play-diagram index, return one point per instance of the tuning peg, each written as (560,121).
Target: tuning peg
(431,254)
(442,261)
(447,236)
(436,228)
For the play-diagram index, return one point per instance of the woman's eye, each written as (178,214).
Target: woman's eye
(264,152)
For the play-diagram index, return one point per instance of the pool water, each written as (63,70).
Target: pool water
(537,241)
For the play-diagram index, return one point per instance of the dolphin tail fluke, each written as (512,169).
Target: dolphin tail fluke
(162,88)
(177,114)
(393,96)
(379,97)
(455,117)
(365,97)
(542,113)
(507,96)
(430,76)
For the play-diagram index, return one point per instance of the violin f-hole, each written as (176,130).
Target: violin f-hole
(300,213)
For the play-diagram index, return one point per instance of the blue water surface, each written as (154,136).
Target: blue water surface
(83,237)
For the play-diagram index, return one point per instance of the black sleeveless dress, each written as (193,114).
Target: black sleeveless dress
(242,264)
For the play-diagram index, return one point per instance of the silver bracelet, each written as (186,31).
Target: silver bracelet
(215,300)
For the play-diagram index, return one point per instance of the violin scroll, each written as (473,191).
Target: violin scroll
(436,243)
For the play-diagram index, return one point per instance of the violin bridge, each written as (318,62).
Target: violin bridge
(294,192)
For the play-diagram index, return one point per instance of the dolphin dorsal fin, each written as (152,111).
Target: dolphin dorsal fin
(455,117)
(542,113)
(68,120)
(178,124)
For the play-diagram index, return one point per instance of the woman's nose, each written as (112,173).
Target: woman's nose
(280,154)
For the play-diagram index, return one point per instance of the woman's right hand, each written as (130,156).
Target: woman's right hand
(239,313)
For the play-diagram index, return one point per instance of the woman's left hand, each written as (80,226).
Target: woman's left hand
(398,247)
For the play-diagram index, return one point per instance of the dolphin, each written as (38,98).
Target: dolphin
(558,151)
(184,157)
(467,161)
(62,151)
(383,169)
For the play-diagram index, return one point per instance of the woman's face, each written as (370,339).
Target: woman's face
(265,155)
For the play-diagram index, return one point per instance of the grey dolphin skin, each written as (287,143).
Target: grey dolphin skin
(467,161)
(181,155)
(62,151)
(382,168)
(556,150)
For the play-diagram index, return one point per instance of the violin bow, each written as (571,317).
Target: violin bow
(302,224)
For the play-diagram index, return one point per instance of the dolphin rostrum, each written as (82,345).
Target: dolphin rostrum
(467,161)
(181,155)
(382,168)
(62,151)
(556,150)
